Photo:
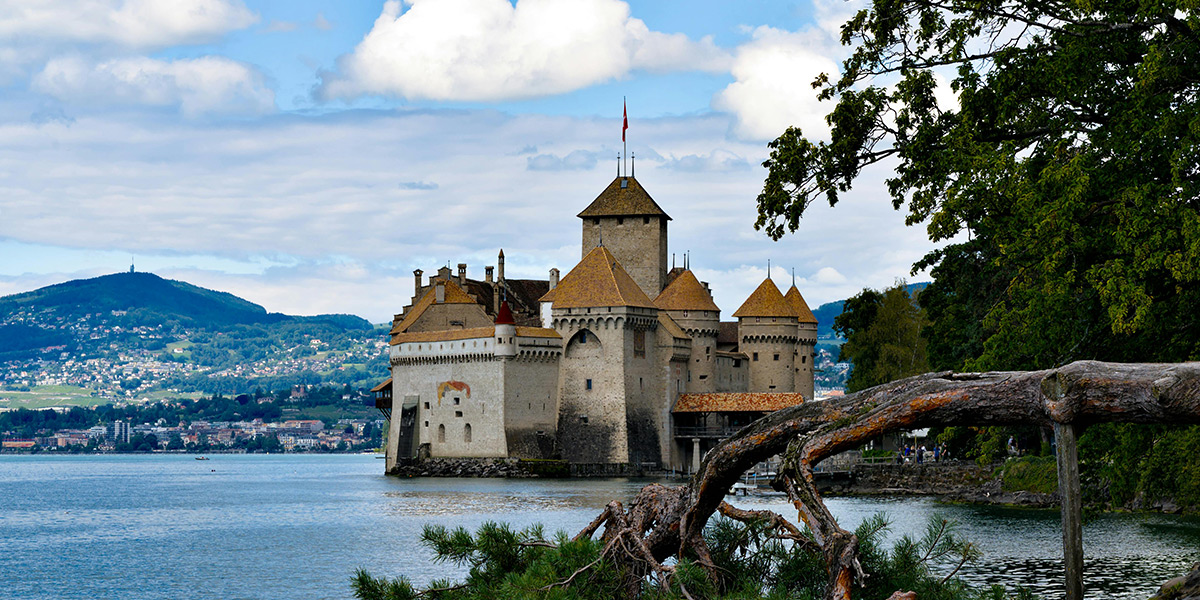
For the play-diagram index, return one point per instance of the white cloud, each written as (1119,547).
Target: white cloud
(127,23)
(197,86)
(773,84)
(479,50)
(389,192)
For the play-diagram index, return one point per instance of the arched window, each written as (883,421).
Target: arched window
(467,432)
(441,433)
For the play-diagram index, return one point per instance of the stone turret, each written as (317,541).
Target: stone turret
(506,332)
(691,306)
(806,343)
(768,332)
(627,221)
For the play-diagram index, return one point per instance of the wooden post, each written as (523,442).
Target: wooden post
(1072,507)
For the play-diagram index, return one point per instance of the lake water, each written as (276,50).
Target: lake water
(297,526)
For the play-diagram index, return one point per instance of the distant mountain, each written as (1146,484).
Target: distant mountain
(183,302)
(127,334)
(829,311)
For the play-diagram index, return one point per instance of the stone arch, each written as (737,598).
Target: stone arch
(584,344)
(467,433)
(441,438)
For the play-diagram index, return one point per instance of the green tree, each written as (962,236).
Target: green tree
(883,337)
(1070,158)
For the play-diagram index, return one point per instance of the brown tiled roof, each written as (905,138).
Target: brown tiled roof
(766,301)
(598,280)
(454,295)
(629,201)
(727,333)
(450,335)
(801,307)
(537,332)
(735,402)
(732,354)
(444,335)
(383,386)
(672,327)
(685,293)
(505,317)
(523,297)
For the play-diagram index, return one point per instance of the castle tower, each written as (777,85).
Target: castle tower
(506,332)
(806,342)
(627,221)
(768,332)
(687,301)
(609,411)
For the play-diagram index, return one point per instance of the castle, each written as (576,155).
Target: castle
(622,363)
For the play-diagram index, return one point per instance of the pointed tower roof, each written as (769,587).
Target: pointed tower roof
(801,307)
(454,295)
(766,301)
(624,197)
(504,316)
(685,292)
(598,280)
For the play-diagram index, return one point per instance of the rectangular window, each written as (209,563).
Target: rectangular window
(458,400)
(589,384)
(803,359)
(737,364)
(426,406)
(776,357)
(639,344)
(458,413)
(582,337)
(755,357)
(645,220)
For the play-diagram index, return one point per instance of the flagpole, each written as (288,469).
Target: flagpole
(624,126)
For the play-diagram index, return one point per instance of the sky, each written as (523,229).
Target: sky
(308,156)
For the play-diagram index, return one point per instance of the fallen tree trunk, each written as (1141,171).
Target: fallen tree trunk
(669,521)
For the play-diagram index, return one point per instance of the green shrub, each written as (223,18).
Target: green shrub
(1030,473)
(752,561)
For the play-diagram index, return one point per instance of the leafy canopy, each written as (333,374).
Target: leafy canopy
(1071,159)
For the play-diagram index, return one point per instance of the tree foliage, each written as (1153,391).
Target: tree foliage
(753,560)
(1070,160)
(884,340)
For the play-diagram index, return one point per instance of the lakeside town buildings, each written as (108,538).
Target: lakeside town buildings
(622,363)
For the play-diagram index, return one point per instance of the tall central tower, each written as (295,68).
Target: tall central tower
(633,227)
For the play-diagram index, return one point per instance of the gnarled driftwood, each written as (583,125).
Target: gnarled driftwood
(669,521)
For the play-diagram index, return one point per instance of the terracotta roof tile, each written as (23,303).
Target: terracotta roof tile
(598,280)
(801,307)
(450,335)
(454,295)
(766,301)
(735,402)
(505,317)
(685,293)
(628,201)
(672,327)
(537,332)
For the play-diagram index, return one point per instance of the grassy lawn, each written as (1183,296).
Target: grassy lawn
(44,396)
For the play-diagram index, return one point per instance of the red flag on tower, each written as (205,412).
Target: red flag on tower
(625,125)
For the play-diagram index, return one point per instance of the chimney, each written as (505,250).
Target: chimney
(488,273)
(417,283)
(439,291)
(462,274)
(553,278)
(500,264)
